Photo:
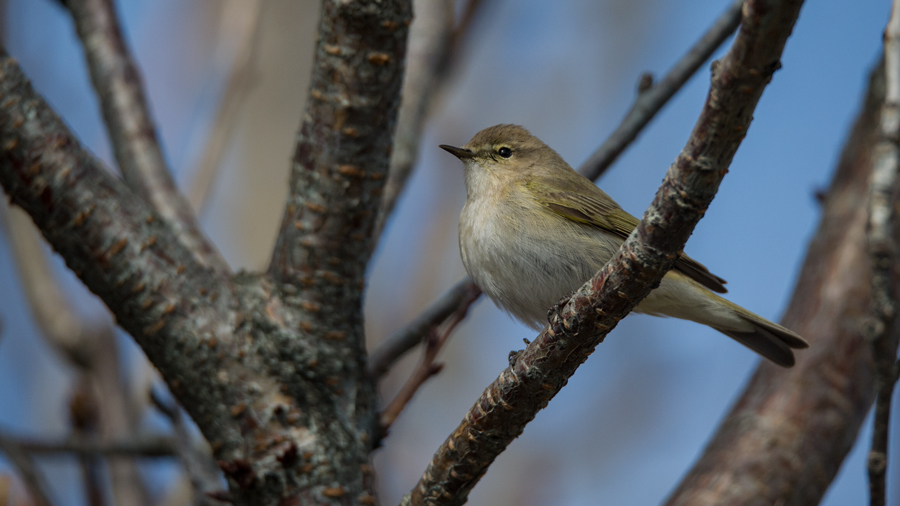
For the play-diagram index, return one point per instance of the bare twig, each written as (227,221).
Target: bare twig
(576,328)
(459,298)
(83,413)
(769,449)
(198,463)
(435,49)
(883,254)
(63,328)
(139,446)
(430,45)
(130,127)
(90,345)
(427,367)
(649,102)
(34,480)
(238,38)
(474,10)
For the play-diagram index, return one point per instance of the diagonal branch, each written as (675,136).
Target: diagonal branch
(648,103)
(130,127)
(575,329)
(458,299)
(120,250)
(31,475)
(430,48)
(769,449)
(428,367)
(238,39)
(89,344)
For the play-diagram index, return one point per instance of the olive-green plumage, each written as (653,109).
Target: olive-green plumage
(533,230)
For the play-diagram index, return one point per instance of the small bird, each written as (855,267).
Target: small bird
(533,230)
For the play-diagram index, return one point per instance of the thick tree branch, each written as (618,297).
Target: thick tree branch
(883,254)
(113,242)
(770,450)
(543,368)
(294,411)
(131,130)
(338,173)
(343,150)
(127,256)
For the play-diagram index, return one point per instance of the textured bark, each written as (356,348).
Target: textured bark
(543,368)
(271,368)
(785,439)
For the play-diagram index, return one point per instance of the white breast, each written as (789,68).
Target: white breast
(522,269)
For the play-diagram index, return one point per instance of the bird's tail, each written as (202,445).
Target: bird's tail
(770,340)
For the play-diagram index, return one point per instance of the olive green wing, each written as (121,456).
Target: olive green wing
(594,207)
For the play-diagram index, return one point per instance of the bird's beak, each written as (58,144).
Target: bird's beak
(460,153)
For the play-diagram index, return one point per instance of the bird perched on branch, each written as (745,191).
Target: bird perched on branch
(533,230)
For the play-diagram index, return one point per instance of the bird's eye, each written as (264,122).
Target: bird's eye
(505,152)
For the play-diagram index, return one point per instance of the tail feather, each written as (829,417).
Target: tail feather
(766,338)
(764,343)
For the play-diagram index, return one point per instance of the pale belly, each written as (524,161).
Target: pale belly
(526,273)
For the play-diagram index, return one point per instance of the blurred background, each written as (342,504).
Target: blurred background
(637,414)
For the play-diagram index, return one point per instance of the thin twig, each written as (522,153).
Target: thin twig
(459,298)
(427,367)
(882,250)
(30,474)
(470,15)
(89,344)
(435,50)
(64,329)
(139,446)
(430,42)
(130,127)
(650,102)
(238,40)
(198,463)
(539,372)
(84,415)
